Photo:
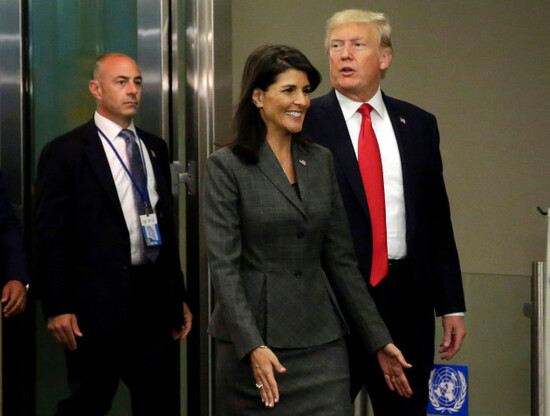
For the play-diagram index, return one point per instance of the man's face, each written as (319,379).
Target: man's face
(356,60)
(117,89)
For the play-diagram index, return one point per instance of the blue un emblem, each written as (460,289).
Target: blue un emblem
(449,390)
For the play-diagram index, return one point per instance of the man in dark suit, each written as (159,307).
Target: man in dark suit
(406,248)
(114,296)
(14,273)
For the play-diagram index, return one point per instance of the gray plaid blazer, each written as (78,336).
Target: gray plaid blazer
(283,267)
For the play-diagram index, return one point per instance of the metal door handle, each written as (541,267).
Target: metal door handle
(188,177)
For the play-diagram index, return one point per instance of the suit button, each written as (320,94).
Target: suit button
(298,275)
(301,234)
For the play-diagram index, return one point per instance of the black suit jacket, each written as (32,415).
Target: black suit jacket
(435,278)
(82,241)
(13,260)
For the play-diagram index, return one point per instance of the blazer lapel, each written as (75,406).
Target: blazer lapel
(270,167)
(407,152)
(95,154)
(402,135)
(301,168)
(342,149)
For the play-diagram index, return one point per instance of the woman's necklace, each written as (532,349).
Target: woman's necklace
(281,150)
(287,162)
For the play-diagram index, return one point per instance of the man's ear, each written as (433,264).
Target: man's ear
(385,59)
(257,97)
(95,89)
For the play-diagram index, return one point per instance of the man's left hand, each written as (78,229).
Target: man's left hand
(454,332)
(187,324)
(14,298)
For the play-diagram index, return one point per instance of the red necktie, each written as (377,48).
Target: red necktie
(370,166)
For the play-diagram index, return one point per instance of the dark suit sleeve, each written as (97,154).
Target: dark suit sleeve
(449,293)
(222,227)
(13,263)
(342,270)
(52,214)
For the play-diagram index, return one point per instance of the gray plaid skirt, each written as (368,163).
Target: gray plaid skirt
(316,382)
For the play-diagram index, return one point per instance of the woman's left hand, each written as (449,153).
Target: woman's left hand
(392,363)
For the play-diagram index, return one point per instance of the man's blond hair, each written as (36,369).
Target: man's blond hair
(360,16)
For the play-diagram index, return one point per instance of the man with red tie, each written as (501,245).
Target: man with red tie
(389,169)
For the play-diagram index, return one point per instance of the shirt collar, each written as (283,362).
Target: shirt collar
(350,107)
(110,128)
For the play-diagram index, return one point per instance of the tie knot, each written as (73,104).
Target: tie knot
(365,110)
(127,135)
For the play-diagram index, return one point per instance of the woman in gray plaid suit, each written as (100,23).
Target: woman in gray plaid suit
(281,258)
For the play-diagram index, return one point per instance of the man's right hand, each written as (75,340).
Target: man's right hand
(64,328)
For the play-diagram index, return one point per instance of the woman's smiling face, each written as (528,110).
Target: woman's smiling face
(284,104)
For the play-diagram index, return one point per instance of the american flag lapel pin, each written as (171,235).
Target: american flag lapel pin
(303,162)
(402,120)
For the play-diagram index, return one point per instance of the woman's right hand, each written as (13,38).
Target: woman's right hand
(263,361)
(392,363)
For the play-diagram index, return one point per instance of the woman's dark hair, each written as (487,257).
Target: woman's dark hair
(262,67)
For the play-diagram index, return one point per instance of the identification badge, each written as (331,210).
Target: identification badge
(150,228)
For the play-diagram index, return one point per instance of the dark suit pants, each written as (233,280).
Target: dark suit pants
(143,355)
(410,321)
(387,403)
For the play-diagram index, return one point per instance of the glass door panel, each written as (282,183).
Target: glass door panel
(66,36)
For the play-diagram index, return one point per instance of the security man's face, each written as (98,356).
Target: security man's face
(117,89)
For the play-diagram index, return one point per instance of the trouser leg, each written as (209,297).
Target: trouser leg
(93,380)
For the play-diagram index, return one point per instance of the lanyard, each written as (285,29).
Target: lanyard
(143,193)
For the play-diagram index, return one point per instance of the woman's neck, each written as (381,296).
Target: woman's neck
(281,145)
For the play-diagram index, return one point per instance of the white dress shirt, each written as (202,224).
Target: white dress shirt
(123,182)
(394,197)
